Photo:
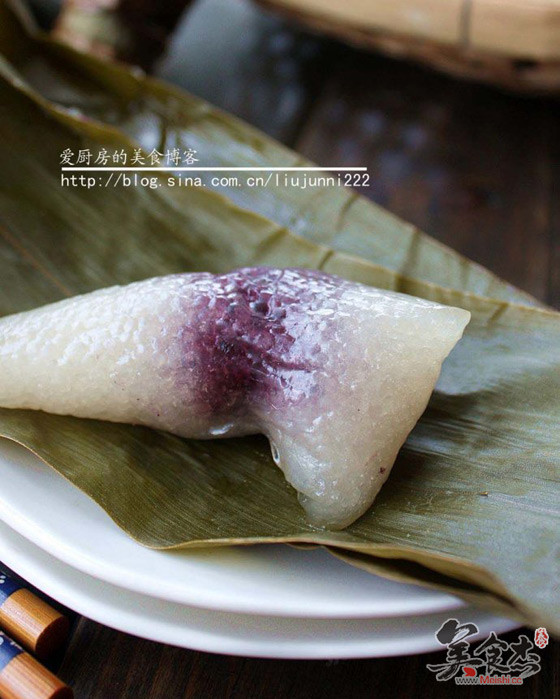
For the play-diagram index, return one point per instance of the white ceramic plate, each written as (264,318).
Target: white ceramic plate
(271,580)
(223,632)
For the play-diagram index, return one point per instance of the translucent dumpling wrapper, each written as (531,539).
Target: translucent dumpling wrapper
(334,373)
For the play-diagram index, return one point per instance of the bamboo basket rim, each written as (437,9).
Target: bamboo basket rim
(524,71)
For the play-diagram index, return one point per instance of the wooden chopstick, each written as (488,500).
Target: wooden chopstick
(31,621)
(42,630)
(23,677)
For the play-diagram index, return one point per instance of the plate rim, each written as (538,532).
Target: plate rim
(22,520)
(104,612)
(125,580)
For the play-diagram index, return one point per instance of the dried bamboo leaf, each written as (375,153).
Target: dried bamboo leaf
(156,115)
(408,571)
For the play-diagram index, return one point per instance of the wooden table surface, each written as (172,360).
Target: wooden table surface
(474,167)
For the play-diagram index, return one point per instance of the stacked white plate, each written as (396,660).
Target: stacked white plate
(267,601)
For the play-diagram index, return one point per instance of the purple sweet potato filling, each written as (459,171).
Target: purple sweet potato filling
(240,346)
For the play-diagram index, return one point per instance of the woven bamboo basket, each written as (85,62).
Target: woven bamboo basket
(512,43)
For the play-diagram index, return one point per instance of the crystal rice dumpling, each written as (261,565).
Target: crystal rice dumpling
(334,373)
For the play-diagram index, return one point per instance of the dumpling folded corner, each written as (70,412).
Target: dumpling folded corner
(334,373)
